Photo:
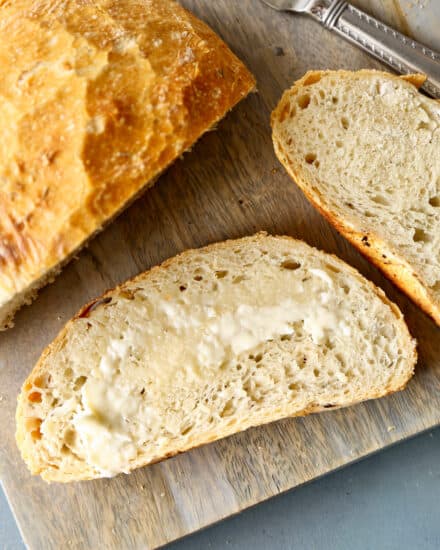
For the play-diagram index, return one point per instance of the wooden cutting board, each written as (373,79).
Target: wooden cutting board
(230,185)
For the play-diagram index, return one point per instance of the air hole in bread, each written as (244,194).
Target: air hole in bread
(40,382)
(312,78)
(79,382)
(421,236)
(310,158)
(35,397)
(36,434)
(293,387)
(70,438)
(379,199)
(345,123)
(316,373)
(198,278)
(290,264)
(333,268)
(322,94)
(228,409)
(435,201)
(33,427)
(65,450)
(422,125)
(335,100)
(221,274)
(303,101)
(88,309)
(182,288)
(339,144)
(285,337)
(253,391)
(186,430)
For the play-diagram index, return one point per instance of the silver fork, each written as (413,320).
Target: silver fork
(401,53)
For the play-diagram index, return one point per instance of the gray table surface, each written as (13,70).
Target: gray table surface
(389,501)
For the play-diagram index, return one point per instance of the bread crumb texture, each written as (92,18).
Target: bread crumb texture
(365,148)
(97,98)
(212,342)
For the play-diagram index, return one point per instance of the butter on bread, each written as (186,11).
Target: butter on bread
(98,98)
(210,343)
(364,147)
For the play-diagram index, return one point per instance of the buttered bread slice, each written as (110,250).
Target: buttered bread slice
(364,147)
(212,342)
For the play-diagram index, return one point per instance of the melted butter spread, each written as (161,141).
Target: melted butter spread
(178,345)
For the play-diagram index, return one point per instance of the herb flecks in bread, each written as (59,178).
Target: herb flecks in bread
(212,342)
(365,149)
(98,98)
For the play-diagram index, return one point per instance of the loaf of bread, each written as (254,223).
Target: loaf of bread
(97,99)
(365,149)
(212,342)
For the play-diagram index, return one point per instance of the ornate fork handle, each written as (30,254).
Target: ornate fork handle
(401,53)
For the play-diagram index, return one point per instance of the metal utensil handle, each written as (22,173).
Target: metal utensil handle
(393,48)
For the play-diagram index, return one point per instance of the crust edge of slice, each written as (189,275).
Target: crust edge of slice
(396,268)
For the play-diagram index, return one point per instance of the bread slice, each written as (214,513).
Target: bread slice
(213,341)
(365,149)
(93,108)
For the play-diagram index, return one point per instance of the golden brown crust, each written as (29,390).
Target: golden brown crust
(48,473)
(101,100)
(416,79)
(369,244)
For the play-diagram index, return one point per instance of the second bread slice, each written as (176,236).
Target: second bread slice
(210,343)
(365,149)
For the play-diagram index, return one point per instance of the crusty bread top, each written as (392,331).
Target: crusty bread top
(365,148)
(212,342)
(97,98)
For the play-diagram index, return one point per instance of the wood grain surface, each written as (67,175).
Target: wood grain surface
(230,185)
